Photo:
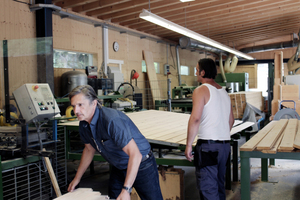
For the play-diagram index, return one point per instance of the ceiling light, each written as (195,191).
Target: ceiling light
(146,15)
(186,0)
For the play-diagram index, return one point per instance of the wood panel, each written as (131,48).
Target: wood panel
(289,135)
(154,85)
(82,193)
(271,138)
(163,126)
(252,143)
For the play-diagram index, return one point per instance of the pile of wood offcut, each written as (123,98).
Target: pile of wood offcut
(277,136)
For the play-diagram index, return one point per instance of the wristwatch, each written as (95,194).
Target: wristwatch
(128,189)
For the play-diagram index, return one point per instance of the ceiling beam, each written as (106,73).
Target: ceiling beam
(72,3)
(97,5)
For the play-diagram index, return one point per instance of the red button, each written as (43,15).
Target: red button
(36,87)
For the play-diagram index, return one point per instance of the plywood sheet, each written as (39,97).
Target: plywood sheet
(271,138)
(163,126)
(252,143)
(155,89)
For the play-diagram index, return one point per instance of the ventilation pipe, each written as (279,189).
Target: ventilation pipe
(231,63)
(270,47)
(188,43)
(222,69)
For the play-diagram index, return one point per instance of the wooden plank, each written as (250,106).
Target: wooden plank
(273,150)
(240,127)
(289,133)
(289,92)
(252,143)
(52,176)
(278,64)
(155,89)
(297,137)
(271,138)
(82,193)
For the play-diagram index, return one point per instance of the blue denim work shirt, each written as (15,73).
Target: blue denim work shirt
(109,132)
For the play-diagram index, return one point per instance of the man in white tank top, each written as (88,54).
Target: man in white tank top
(211,119)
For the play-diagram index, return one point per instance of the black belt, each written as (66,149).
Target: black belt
(147,156)
(212,141)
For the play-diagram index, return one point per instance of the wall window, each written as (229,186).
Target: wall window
(71,59)
(262,78)
(195,71)
(184,70)
(144,67)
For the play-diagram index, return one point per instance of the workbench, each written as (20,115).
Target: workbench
(277,140)
(166,130)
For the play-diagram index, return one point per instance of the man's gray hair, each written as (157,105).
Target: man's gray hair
(87,91)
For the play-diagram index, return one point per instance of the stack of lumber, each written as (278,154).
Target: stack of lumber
(239,100)
(282,93)
(277,136)
(83,193)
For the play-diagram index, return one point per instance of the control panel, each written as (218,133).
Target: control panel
(36,101)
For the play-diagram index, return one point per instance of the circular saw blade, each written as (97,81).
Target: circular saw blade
(286,113)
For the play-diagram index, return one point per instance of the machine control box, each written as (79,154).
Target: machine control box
(36,102)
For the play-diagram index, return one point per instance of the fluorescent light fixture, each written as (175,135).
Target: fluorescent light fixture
(146,15)
(186,0)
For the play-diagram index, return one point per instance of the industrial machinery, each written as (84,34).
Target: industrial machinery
(240,79)
(24,174)
(181,92)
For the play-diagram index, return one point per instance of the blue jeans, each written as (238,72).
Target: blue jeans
(211,169)
(146,183)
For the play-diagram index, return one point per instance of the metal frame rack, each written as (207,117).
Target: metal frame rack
(27,178)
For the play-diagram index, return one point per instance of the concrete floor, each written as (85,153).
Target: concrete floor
(284,180)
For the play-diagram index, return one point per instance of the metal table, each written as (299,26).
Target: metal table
(245,167)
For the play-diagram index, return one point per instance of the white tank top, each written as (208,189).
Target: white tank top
(214,123)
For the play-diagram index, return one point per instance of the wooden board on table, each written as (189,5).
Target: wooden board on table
(270,139)
(297,137)
(289,133)
(273,150)
(151,72)
(83,193)
(252,143)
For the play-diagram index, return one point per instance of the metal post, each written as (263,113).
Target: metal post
(1,186)
(178,65)
(245,177)
(270,86)
(6,81)
(272,161)
(264,169)
(169,95)
(235,161)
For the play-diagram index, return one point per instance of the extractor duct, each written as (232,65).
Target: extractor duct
(270,47)
(188,43)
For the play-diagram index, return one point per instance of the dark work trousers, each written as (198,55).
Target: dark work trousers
(210,161)
(146,183)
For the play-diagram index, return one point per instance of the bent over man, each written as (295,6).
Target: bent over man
(118,140)
(211,119)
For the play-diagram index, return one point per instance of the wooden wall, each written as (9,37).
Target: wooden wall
(17,22)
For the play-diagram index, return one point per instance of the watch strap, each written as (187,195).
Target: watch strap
(128,189)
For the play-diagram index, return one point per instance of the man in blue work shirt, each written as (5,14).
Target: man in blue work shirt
(118,140)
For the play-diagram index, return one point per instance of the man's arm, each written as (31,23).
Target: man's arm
(199,96)
(86,158)
(135,157)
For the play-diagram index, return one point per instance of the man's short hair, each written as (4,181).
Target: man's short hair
(209,66)
(87,91)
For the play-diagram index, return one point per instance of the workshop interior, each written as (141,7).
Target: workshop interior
(146,69)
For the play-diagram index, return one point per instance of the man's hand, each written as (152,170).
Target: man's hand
(73,185)
(188,153)
(124,195)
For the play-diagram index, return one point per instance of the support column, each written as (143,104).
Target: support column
(245,177)
(45,50)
